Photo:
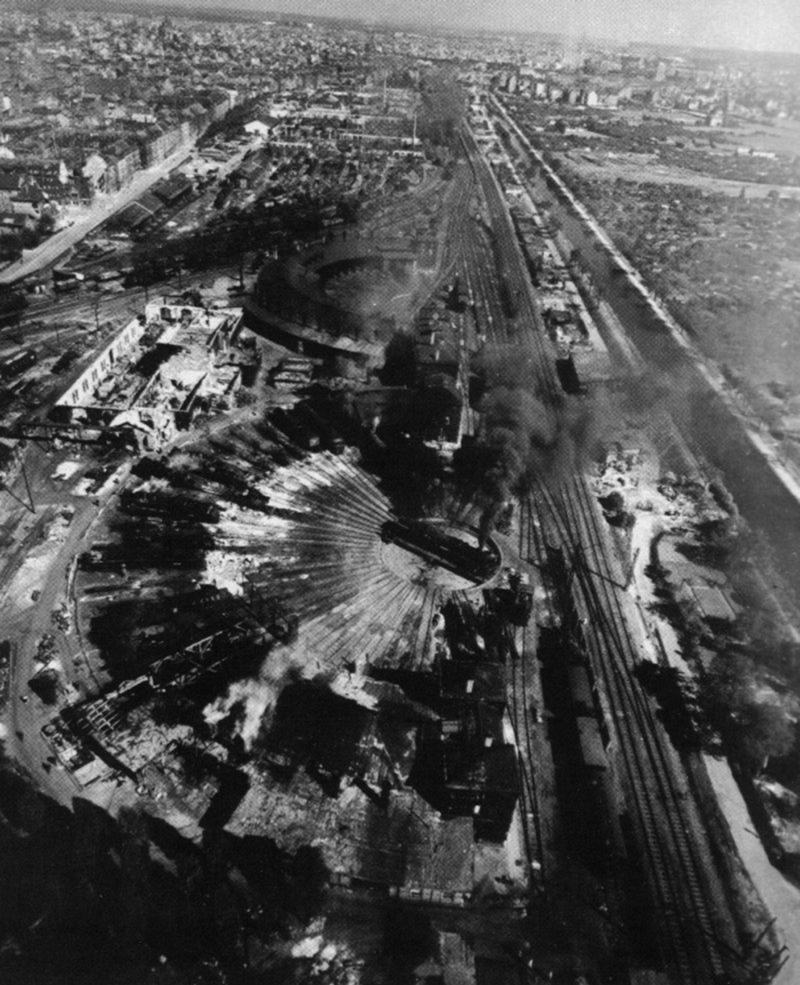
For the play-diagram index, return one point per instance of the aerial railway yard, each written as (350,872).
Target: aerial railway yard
(275,505)
(391,592)
(696,923)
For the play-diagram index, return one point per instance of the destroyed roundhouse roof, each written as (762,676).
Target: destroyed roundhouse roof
(481,769)
(333,737)
(309,531)
(434,352)
(484,783)
(472,681)
(458,682)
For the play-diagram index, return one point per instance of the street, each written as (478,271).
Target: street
(104,207)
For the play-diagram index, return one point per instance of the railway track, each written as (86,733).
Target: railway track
(523,724)
(694,928)
(478,267)
(678,874)
(68,305)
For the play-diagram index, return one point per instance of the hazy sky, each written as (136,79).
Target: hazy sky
(756,24)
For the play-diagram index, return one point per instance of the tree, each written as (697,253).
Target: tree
(29,238)
(46,224)
(718,536)
(12,305)
(754,731)
(614,502)
(765,731)
(10,247)
(729,685)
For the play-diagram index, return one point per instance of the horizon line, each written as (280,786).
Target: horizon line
(213,7)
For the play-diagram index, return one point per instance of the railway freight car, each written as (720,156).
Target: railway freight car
(17,363)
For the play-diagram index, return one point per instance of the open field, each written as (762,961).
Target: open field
(650,170)
(723,254)
(727,267)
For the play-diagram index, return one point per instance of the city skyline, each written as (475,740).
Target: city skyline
(753,25)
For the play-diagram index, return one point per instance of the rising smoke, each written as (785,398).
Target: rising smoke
(519,429)
(528,434)
(250,702)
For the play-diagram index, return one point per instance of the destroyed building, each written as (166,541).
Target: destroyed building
(352,730)
(466,765)
(155,374)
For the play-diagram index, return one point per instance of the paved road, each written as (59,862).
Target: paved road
(25,617)
(26,624)
(781,896)
(104,207)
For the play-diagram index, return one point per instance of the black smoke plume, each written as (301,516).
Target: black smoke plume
(529,432)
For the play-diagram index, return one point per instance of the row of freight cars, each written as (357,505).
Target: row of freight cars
(67,281)
(579,733)
(14,302)
(17,363)
(70,281)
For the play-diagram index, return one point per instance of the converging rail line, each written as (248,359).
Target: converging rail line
(662,824)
